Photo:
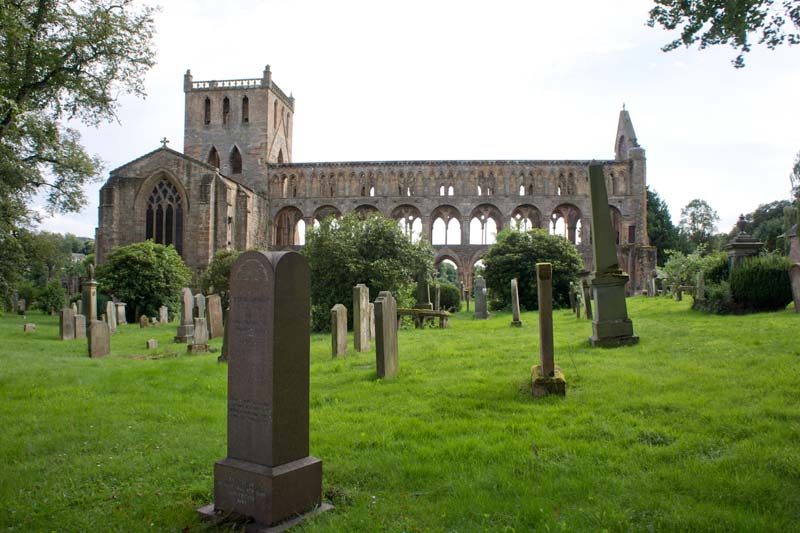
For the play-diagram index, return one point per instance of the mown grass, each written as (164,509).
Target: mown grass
(694,428)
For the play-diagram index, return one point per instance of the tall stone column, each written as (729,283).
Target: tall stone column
(89,297)
(465,229)
(611,325)
(546,376)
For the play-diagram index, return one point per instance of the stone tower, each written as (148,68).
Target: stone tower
(239,126)
(627,148)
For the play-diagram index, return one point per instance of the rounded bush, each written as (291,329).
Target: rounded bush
(761,284)
(449,297)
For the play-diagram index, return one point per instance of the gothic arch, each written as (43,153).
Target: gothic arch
(161,207)
(235,160)
(565,220)
(616,223)
(286,226)
(213,157)
(485,222)
(445,220)
(325,211)
(366,210)
(526,217)
(450,255)
(410,220)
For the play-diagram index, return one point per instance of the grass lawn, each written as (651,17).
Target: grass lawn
(697,427)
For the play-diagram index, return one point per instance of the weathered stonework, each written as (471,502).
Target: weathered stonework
(241,188)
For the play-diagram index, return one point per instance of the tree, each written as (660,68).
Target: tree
(515,255)
(216,277)
(698,222)
(767,222)
(714,22)
(661,231)
(59,60)
(145,275)
(51,297)
(447,273)
(345,252)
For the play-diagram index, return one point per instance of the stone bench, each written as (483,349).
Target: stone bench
(421,315)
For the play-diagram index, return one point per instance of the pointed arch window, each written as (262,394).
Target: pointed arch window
(207,111)
(164,216)
(245,110)
(213,157)
(226,110)
(236,161)
(280,156)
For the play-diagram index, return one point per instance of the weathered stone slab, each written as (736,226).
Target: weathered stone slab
(515,321)
(268,474)
(121,313)
(186,327)
(611,325)
(144,321)
(214,316)
(481,309)
(199,343)
(386,352)
(223,354)
(99,338)
(437,301)
(152,344)
(423,291)
(163,314)
(80,326)
(794,277)
(338,330)
(199,306)
(544,283)
(361,318)
(28,328)
(111,316)
(371,320)
(66,324)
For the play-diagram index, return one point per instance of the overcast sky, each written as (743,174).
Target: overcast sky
(478,80)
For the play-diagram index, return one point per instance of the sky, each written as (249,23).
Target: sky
(441,79)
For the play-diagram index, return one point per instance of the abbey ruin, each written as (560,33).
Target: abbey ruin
(235,186)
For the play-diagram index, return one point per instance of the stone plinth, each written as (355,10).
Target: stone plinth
(338,330)
(543,385)
(268,474)
(386,353)
(361,318)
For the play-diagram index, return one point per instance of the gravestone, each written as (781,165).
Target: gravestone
(111,316)
(99,339)
(578,304)
(186,328)
(794,277)
(80,307)
(268,475)
(742,245)
(338,330)
(199,343)
(74,308)
(214,316)
(371,320)
(199,310)
(223,354)
(700,287)
(481,310)
(80,326)
(573,291)
(154,321)
(586,294)
(437,302)
(28,328)
(611,325)
(121,313)
(515,321)
(152,344)
(546,377)
(143,321)
(423,292)
(66,324)
(386,357)
(89,297)
(163,314)
(361,318)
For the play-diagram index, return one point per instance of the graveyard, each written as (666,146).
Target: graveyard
(694,427)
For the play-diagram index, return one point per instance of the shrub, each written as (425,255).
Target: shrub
(145,275)
(762,284)
(215,278)
(51,297)
(449,297)
(719,299)
(715,268)
(374,251)
(515,256)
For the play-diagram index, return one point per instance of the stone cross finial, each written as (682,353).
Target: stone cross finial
(164,142)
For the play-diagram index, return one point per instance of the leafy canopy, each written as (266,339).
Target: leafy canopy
(660,230)
(62,60)
(515,255)
(145,275)
(714,22)
(374,251)
(216,277)
(698,222)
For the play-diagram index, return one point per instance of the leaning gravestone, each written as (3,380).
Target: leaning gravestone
(611,325)
(515,321)
(186,329)
(481,310)
(361,318)
(80,326)
(111,316)
(268,475)
(121,319)
(214,316)
(66,324)
(338,330)
(794,276)
(99,339)
(546,377)
(163,314)
(386,358)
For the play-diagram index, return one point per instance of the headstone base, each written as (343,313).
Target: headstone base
(197,348)
(268,495)
(516,323)
(546,385)
(207,513)
(613,333)
(185,333)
